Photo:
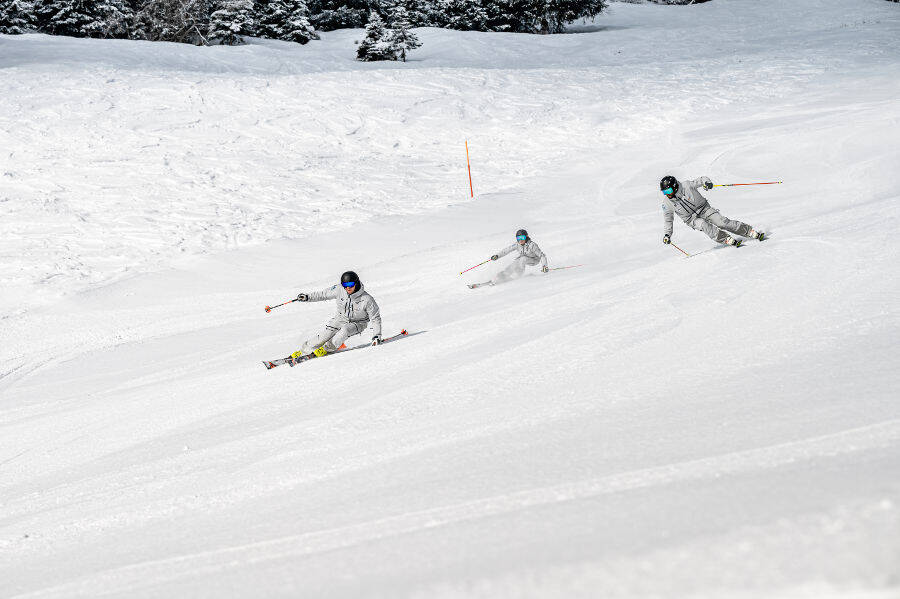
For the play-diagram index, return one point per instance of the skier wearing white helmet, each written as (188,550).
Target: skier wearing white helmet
(356,311)
(528,254)
(685,200)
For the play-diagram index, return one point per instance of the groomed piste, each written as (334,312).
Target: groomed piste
(645,425)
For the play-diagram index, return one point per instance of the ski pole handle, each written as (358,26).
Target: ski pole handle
(270,308)
(476,266)
(736,184)
(679,249)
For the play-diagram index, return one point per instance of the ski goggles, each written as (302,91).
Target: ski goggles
(349,284)
(668,191)
(521,237)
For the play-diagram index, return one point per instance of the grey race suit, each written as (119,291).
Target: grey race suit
(696,212)
(529,255)
(354,313)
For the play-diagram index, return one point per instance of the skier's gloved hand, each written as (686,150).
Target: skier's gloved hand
(303,297)
(376,340)
(707,184)
(545,269)
(495,257)
(667,240)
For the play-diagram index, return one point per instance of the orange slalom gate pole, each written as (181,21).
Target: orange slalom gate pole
(469,167)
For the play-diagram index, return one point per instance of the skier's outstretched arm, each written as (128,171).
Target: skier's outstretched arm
(319,296)
(700,183)
(504,252)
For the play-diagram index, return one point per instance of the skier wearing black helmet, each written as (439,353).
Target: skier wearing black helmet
(685,200)
(529,254)
(356,311)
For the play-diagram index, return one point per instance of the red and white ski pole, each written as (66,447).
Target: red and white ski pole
(679,249)
(737,184)
(270,308)
(565,267)
(476,266)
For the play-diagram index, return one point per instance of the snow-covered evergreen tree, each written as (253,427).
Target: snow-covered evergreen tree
(184,21)
(465,15)
(230,20)
(539,16)
(326,15)
(15,16)
(82,18)
(376,45)
(285,20)
(399,37)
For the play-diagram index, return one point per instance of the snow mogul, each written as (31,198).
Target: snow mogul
(685,200)
(529,254)
(356,312)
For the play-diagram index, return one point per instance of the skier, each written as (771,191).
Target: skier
(685,200)
(356,311)
(529,255)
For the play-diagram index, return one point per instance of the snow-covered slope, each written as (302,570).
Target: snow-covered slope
(644,425)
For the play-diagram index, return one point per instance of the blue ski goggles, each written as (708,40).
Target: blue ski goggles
(349,284)
(521,237)
(668,191)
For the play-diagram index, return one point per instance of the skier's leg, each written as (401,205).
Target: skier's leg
(322,337)
(712,231)
(348,330)
(510,272)
(734,226)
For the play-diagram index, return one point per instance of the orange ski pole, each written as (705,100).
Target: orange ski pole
(679,249)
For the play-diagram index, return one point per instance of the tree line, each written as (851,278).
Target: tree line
(230,21)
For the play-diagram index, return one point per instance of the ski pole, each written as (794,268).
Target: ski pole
(679,249)
(736,184)
(565,267)
(270,308)
(476,266)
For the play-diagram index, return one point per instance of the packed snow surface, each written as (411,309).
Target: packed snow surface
(644,425)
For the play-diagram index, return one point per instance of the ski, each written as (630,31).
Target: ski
(291,361)
(477,285)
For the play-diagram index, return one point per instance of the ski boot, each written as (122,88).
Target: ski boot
(732,241)
(758,235)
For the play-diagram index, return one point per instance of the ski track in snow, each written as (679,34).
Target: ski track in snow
(646,425)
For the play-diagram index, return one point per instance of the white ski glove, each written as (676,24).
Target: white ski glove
(376,340)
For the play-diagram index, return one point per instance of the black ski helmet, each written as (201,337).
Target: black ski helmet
(522,232)
(667,182)
(350,277)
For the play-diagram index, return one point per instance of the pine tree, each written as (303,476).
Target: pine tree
(400,38)
(465,15)
(15,17)
(286,20)
(82,18)
(298,28)
(184,21)
(326,15)
(231,20)
(375,46)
